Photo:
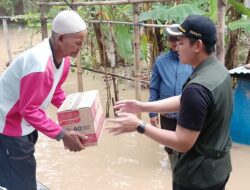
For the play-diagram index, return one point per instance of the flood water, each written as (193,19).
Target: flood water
(125,162)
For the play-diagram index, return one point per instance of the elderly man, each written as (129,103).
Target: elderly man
(205,107)
(27,87)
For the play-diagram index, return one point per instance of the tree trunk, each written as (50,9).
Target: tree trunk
(19,8)
(232,48)
(136,45)
(220,49)
(100,43)
(154,38)
(43,19)
(178,2)
(248,58)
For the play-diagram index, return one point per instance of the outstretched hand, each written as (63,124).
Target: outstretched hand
(130,106)
(124,123)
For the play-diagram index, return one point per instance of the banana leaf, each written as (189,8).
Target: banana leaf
(153,14)
(240,7)
(144,48)
(213,10)
(177,13)
(180,12)
(124,39)
(242,23)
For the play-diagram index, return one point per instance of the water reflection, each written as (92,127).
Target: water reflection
(125,162)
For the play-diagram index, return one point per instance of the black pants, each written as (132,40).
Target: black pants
(17,162)
(168,124)
(220,186)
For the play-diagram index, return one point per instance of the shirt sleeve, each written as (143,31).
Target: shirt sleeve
(34,89)
(195,102)
(154,87)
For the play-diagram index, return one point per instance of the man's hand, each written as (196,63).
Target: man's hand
(72,140)
(129,106)
(123,123)
(154,121)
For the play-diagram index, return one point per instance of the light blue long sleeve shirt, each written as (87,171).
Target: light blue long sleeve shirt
(168,77)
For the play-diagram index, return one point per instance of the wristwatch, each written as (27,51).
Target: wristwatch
(141,128)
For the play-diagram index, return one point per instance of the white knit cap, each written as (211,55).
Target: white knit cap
(67,22)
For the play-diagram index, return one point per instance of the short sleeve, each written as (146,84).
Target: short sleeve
(195,103)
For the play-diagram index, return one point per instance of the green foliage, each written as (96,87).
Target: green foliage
(180,12)
(123,36)
(209,7)
(8,5)
(176,13)
(32,20)
(213,10)
(144,48)
(154,14)
(122,32)
(240,7)
(28,5)
(86,60)
(240,24)
(201,4)
(124,12)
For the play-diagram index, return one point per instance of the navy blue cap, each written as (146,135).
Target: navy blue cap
(197,27)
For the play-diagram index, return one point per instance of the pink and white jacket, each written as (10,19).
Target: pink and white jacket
(27,87)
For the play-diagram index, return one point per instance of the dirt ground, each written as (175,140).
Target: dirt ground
(128,162)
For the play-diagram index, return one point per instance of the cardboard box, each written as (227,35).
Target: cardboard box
(83,112)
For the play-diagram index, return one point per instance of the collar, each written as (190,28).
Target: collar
(210,60)
(57,65)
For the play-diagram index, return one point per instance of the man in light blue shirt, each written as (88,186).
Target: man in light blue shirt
(167,79)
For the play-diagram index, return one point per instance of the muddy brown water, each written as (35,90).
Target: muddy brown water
(125,162)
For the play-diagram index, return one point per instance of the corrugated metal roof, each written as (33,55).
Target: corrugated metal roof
(240,70)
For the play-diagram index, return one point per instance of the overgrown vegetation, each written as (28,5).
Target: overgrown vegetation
(115,41)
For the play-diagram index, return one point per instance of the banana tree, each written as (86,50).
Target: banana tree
(161,14)
(236,25)
(118,34)
(209,8)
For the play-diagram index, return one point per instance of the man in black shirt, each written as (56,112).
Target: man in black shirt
(205,107)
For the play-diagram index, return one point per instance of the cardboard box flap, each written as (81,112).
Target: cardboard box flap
(87,99)
(70,103)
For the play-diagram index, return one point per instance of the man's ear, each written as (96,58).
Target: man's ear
(60,38)
(198,46)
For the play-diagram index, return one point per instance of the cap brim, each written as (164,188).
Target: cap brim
(174,30)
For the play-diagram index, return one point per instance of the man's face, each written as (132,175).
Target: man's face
(172,42)
(186,50)
(72,43)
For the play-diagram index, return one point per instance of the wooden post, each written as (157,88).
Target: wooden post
(78,64)
(79,72)
(7,41)
(220,49)
(43,19)
(105,2)
(137,66)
